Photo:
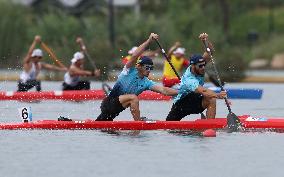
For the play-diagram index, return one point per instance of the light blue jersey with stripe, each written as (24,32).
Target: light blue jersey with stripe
(189,83)
(129,82)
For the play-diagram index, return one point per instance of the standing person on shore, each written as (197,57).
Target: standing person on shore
(72,80)
(132,81)
(32,66)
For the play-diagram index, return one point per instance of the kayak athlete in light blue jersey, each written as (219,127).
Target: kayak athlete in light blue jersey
(192,97)
(132,81)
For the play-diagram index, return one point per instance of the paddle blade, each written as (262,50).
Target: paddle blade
(233,122)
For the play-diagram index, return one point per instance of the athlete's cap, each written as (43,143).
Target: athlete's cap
(145,61)
(77,56)
(132,50)
(196,58)
(37,53)
(180,51)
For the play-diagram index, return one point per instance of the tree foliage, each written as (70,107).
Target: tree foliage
(228,24)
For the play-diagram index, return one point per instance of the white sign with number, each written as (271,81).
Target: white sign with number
(250,118)
(25,114)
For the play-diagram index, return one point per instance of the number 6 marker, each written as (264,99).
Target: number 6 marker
(26,114)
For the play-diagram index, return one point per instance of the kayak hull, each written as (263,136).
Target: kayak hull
(78,95)
(85,95)
(199,124)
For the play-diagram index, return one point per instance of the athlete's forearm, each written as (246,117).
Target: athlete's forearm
(206,92)
(138,52)
(83,73)
(60,68)
(51,67)
(169,91)
(29,54)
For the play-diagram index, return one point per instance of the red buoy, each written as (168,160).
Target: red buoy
(209,133)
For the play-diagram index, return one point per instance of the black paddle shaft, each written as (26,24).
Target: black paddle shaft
(205,43)
(106,88)
(90,59)
(169,61)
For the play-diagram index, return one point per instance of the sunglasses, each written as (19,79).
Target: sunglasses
(201,65)
(148,67)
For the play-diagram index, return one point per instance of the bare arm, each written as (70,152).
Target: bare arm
(79,72)
(140,50)
(173,48)
(164,90)
(79,40)
(53,67)
(36,40)
(83,48)
(209,93)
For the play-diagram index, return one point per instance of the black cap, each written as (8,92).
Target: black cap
(196,58)
(145,61)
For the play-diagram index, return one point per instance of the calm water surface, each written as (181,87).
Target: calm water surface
(151,153)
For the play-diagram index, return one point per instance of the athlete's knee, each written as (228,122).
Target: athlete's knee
(128,100)
(134,98)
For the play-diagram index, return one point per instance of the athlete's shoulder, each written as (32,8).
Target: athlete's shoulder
(148,83)
(188,72)
(127,71)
